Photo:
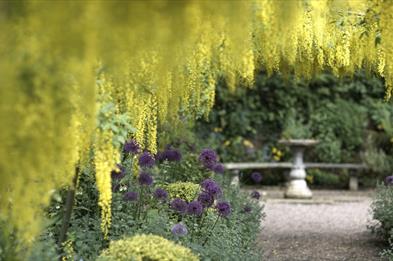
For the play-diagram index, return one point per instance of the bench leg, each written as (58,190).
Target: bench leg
(353,183)
(235,178)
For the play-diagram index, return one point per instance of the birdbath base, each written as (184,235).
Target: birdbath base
(298,189)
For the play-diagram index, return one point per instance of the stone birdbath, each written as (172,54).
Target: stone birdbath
(297,185)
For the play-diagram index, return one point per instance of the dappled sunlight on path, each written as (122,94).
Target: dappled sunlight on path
(332,226)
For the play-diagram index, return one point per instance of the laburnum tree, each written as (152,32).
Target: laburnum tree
(69,68)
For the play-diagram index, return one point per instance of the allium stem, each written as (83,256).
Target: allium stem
(147,208)
(202,219)
(124,157)
(140,203)
(211,231)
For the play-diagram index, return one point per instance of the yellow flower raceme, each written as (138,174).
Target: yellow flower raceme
(105,159)
(248,144)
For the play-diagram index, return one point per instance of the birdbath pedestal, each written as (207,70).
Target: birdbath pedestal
(297,185)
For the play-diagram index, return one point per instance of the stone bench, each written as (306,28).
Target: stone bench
(353,178)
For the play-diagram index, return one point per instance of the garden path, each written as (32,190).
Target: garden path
(331,226)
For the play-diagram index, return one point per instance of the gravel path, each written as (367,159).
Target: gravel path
(327,228)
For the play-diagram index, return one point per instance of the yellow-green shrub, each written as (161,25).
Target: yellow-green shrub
(184,190)
(146,247)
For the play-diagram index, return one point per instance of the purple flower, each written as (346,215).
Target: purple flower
(256,177)
(131,196)
(179,205)
(211,187)
(255,194)
(218,168)
(160,194)
(206,199)
(223,209)
(389,180)
(118,173)
(179,230)
(146,160)
(195,208)
(131,146)
(145,179)
(208,158)
(247,209)
(171,155)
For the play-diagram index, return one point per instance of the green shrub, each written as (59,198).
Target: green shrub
(146,247)
(294,127)
(382,209)
(44,249)
(318,177)
(185,190)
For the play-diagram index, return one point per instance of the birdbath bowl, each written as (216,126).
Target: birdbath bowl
(297,185)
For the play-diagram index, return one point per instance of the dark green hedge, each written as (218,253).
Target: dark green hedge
(349,116)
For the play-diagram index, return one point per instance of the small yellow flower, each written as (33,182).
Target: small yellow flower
(310,179)
(248,144)
(227,143)
(217,129)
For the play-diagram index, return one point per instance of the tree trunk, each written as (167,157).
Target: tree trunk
(68,211)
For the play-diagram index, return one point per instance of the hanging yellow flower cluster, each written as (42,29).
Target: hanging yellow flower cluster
(105,159)
(46,117)
(161,59)
(306,37)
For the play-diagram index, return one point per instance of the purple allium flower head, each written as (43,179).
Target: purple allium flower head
(119,173)
(211,187)
(247,209)
(389,180)
(131,146)
(223,209)
(206,199)
(146,160)
(131,196)
(145,179)
(172,155)
(160,194)
(179,205)
(208,158)
(194,208)
(255,194)
(179,230)
(256,177)
(218,168)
